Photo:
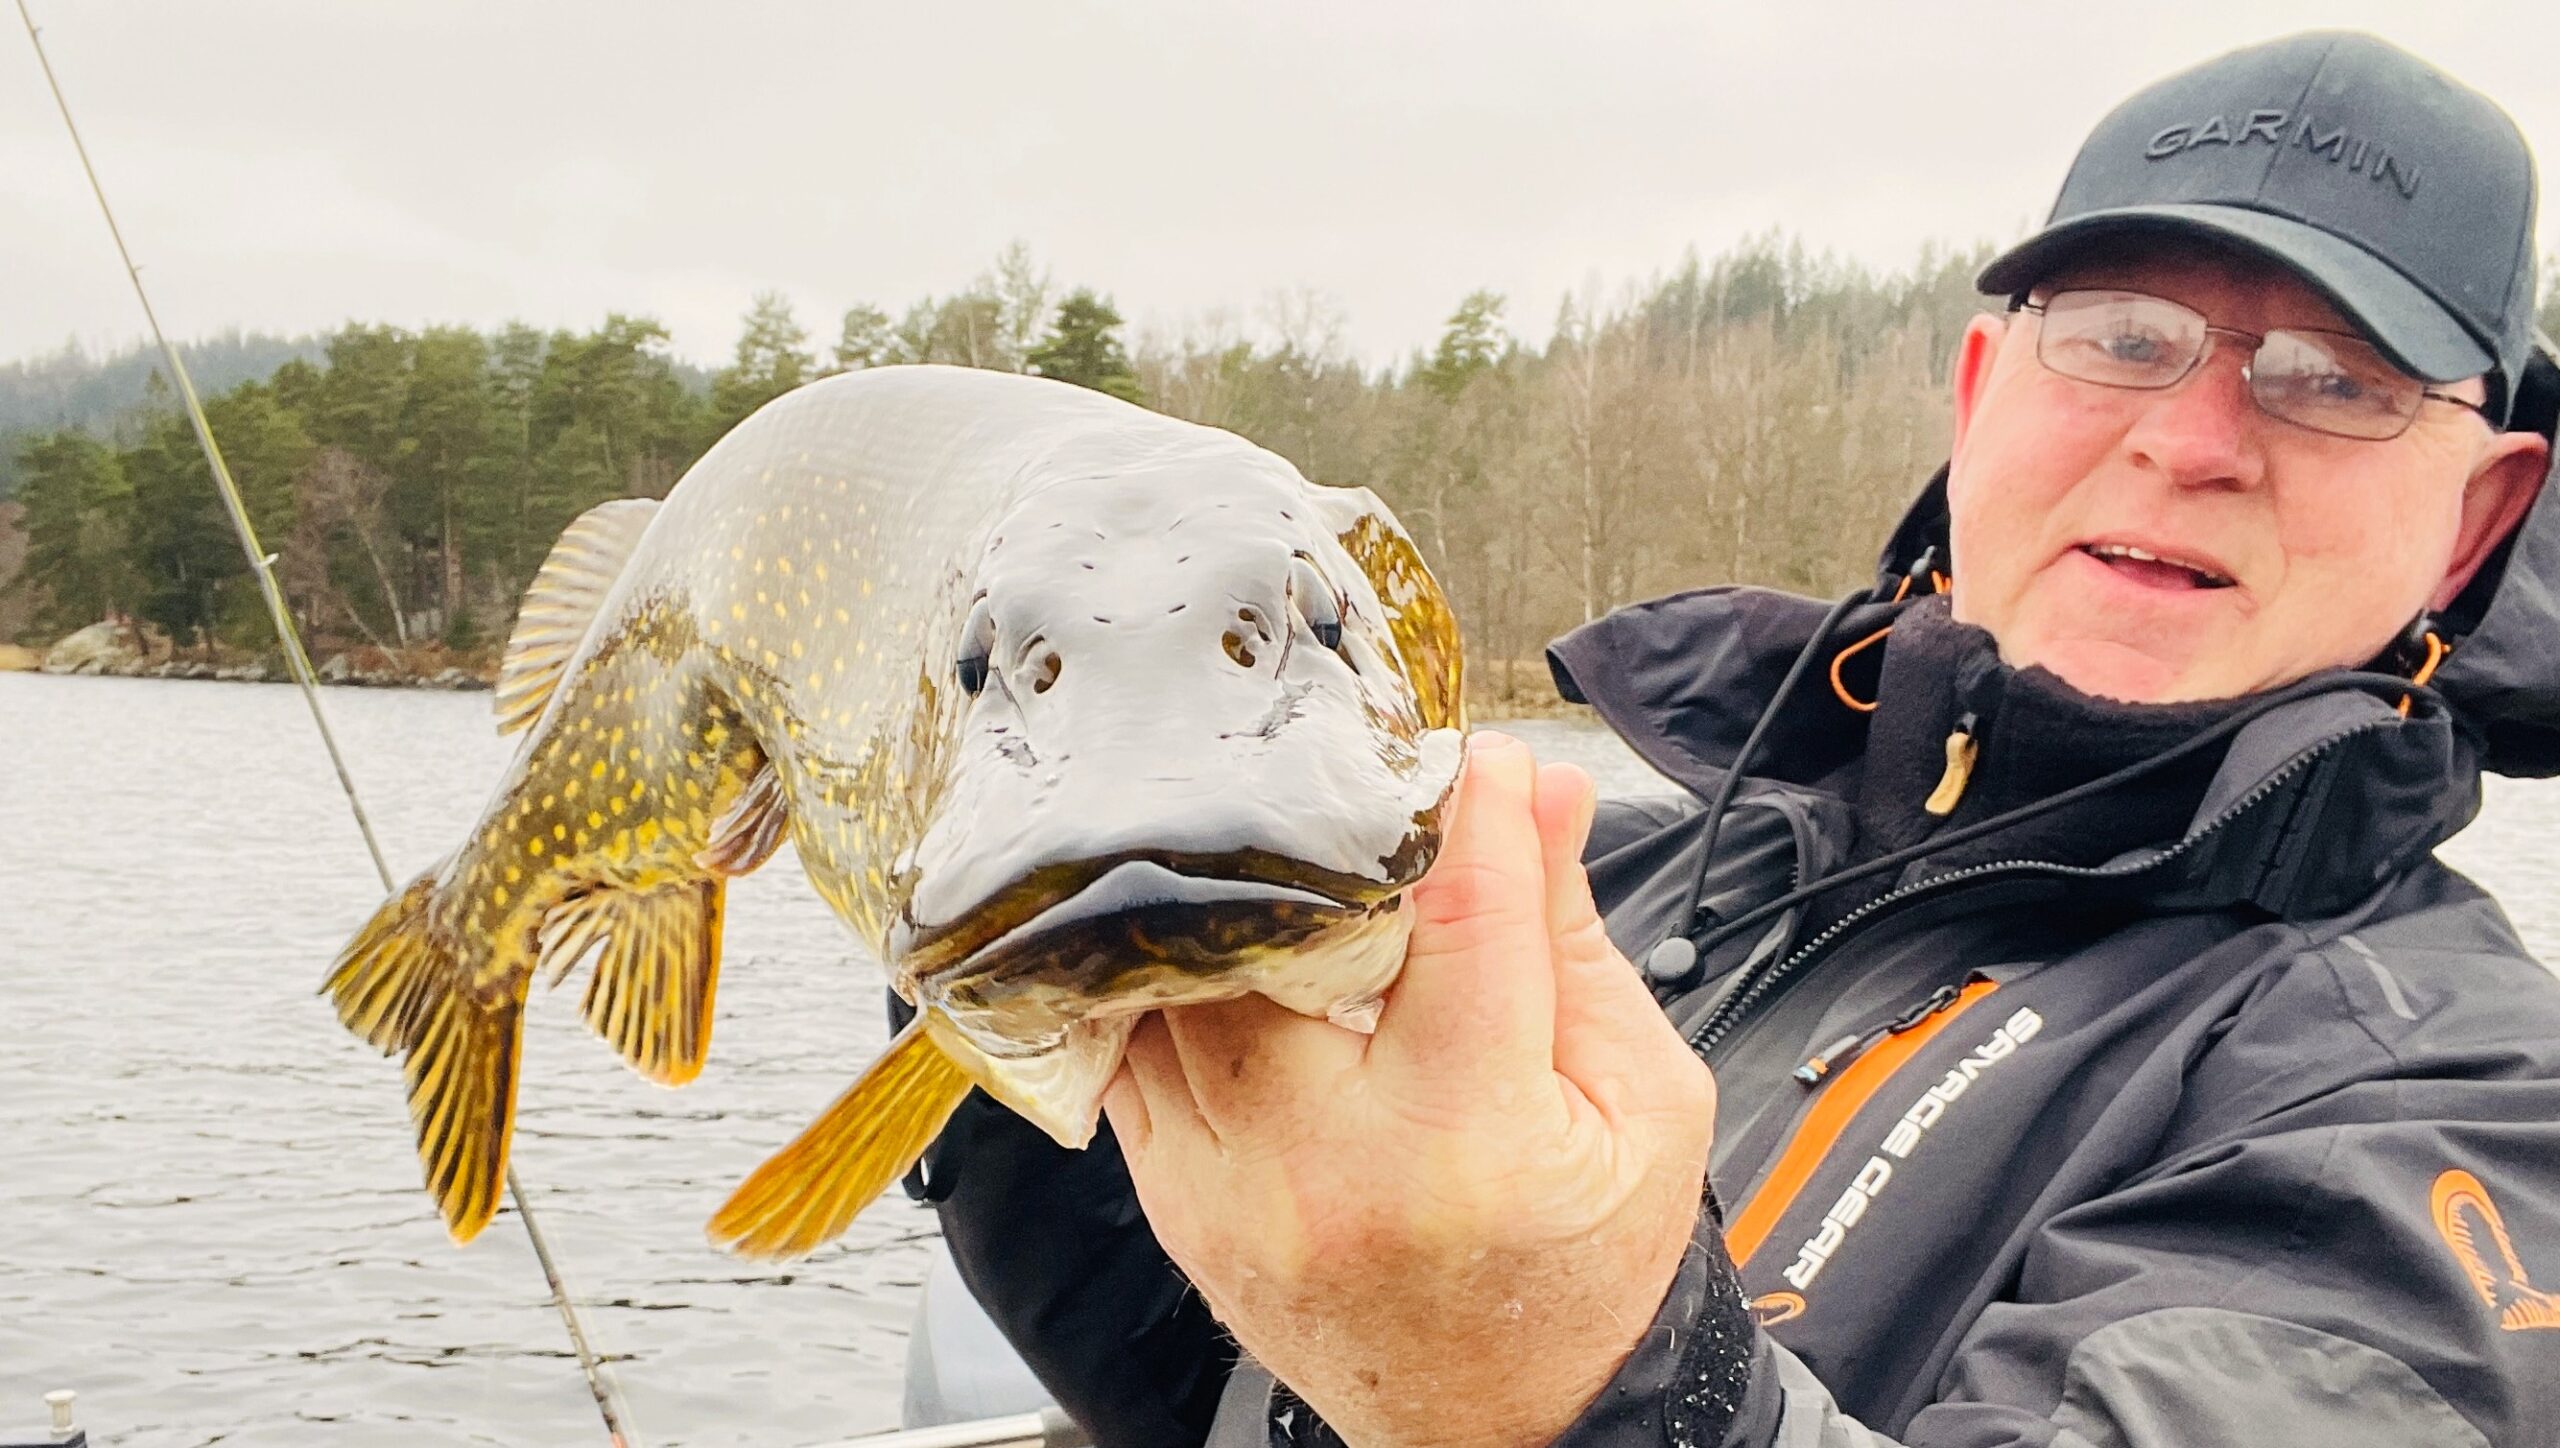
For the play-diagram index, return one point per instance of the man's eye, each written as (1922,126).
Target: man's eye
(2136,348)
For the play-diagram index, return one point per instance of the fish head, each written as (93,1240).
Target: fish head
(1211,719)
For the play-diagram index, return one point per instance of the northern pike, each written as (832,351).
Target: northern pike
(1070,710)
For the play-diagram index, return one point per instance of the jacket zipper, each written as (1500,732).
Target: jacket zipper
(1850,1047)
(1720,1022)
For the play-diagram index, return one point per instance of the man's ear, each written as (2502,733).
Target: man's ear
(1975,354)
(2501,491)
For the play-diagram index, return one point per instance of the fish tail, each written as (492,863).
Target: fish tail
(462,1095)
(811,1190)
(395,985)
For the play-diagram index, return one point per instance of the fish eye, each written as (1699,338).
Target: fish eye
(977,645)
(1316,601)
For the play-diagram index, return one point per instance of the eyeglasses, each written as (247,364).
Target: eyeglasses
(2328,382)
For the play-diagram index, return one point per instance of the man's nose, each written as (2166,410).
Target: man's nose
(2207,431)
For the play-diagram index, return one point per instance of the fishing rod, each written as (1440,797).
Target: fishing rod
(262,567)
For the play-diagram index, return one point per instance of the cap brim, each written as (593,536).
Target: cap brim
(2419,336)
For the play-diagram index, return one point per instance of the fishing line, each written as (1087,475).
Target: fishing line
(262,566)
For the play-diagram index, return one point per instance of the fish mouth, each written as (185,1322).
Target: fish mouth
(1170,904)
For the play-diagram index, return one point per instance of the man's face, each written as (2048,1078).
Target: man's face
(2331,544)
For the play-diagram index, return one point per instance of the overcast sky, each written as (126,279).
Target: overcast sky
(291,164)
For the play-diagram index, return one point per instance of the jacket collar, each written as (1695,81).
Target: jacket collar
(2313,803)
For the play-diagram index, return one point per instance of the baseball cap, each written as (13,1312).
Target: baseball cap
(2403,196)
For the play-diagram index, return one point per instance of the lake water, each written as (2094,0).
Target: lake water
(210,1218)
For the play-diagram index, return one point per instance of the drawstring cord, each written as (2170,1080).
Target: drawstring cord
(2437,649)
(1674,961)
(1938,583)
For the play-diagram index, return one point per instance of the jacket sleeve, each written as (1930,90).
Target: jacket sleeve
(2337,1248)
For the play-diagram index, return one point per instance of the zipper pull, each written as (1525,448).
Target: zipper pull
(1842,1051)
(1961,749)
(1849,1048)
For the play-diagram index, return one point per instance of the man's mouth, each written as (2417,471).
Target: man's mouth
(2155,570)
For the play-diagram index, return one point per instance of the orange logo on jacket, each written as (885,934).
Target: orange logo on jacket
(2464,1214)
(1771,1308)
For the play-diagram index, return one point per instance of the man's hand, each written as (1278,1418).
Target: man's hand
(1454,1231)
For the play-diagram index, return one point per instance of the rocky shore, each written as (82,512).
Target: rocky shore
(119,650)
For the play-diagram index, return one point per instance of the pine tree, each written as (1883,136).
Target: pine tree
(1472,341)
(866,339)
(769,363)
(79,520)
(1082,349)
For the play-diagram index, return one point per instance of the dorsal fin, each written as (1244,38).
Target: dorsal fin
(563,601)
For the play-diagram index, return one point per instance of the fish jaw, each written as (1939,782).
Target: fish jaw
(1340,974)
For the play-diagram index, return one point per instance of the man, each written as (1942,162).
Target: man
(2099,1055)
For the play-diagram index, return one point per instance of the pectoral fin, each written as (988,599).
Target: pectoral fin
(749,831)
(810,1191)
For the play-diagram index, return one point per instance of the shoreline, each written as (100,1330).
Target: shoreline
(1532,695)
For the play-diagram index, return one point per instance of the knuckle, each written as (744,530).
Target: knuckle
(1461,891)
(1588,938)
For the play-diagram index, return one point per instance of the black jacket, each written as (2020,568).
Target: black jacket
(2180,1095)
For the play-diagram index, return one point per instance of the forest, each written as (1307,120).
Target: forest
(1760,416)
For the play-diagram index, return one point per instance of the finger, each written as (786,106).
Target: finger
(1253,1065)
(1563,809)
(1126,1107)
(1612,1040)
(1151,1092)
(1475,1004)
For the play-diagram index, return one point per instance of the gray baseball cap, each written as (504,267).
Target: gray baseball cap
(2404,197)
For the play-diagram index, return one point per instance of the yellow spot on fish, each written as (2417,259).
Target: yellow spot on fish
(559,832)
(598,771)
(533,846)
(514,874)
(595,821)
(738,611)
(784,564)
(866,588)
(499,894)
(639,787)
